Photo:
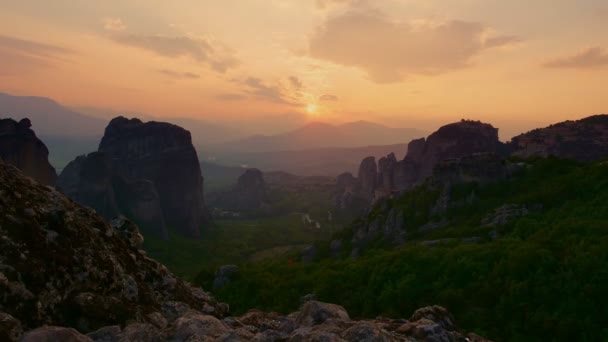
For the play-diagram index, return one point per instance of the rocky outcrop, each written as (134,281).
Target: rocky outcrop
(62,264)
(163,154)
(455,140)
(249,194)
(315,321)
(19,146)
(367,176)
(450,147)
(225,275)
(90,180)
(583,140)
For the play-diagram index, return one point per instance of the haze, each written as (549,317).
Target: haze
(407,63)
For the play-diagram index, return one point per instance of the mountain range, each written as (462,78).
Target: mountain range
(320,135)
(322,149)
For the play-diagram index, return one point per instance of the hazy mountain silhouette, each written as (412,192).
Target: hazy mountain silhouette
(203,132)
(322,135)
(49,117)
(327,161)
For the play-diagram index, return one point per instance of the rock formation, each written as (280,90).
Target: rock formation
(19,146)
(91,181)
(62,264)
(97,282)
(148,172)
(452,142)
(583,140)
(162,153)
(249,194)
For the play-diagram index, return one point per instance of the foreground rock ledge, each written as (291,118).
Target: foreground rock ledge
(315,321)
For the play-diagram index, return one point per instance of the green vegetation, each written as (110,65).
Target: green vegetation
(235,242)
(545,278)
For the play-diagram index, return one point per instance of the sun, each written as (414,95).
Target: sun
(311,109)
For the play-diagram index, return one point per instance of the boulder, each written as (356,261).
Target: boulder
(20,147)
(54,334)
(314,313)
(10,328)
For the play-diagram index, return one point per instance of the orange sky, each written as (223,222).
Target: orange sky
(517,64)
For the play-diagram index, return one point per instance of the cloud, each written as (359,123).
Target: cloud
(20,55)
(296,83)
(179,75)
(113,24)
(323,4)
(501,41)
(230,97)
(284,93)
(593,57)
(328,98)
(390,50)
(203,50)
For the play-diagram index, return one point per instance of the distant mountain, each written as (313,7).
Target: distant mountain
(203,132)
(49,118)
(322,135)
(72,132)
(329,161)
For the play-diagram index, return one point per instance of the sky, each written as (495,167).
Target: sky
(411,63)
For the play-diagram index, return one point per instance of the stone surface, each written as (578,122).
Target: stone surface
(93,276)
(367,176)
(314,313)
(163,154)
(54,334)
(19,146)
(10,328)
(91,181)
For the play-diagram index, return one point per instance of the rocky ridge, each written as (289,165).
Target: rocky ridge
(62,264)
(583,140)
(19,146)
(454,142)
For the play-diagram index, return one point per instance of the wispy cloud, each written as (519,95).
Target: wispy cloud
(328,98)
(113,24)
(200,49)
(230,97)
(178,74)
(593,57)
(20,55)
(287,93)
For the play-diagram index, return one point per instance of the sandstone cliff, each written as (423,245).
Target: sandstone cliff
(20,146)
